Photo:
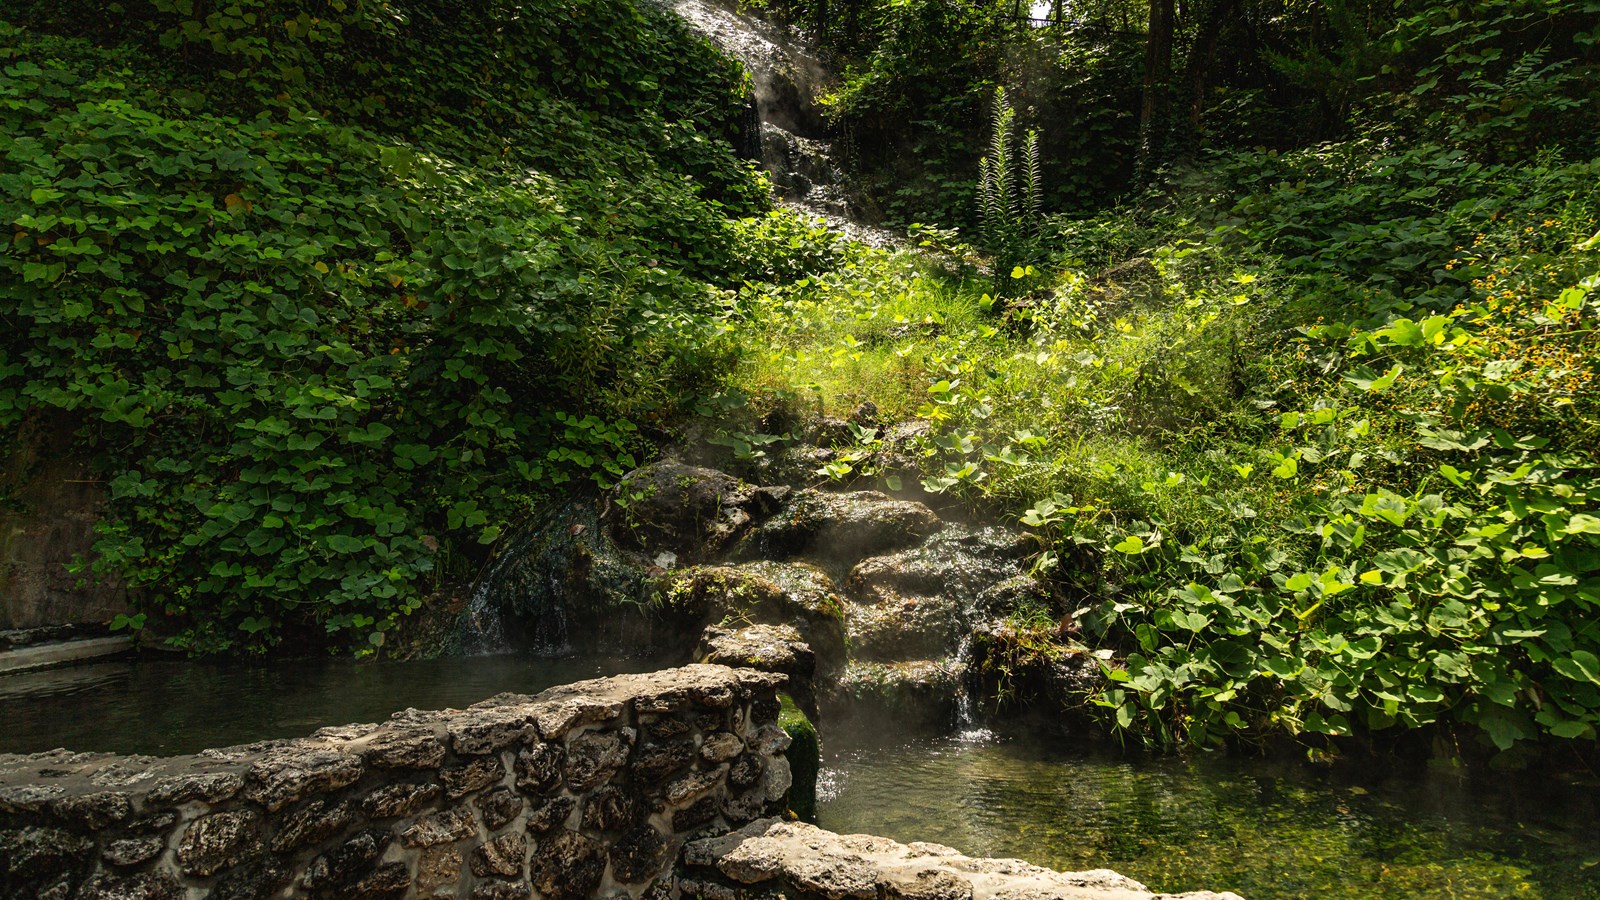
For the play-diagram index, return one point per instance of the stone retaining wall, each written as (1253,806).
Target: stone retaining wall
(582,791)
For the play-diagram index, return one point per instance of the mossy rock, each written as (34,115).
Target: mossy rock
(761,593)
(805,760)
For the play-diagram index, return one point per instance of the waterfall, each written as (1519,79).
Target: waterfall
(967,727)
(525,575)
(786,77)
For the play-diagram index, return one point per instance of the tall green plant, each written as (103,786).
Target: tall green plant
(1009,186)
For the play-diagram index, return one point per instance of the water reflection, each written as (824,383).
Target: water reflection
(1264,829)
(167,707)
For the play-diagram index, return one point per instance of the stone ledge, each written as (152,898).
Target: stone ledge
(583,790)
(770,859)
(39,656)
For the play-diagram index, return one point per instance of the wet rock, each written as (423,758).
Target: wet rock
(396,800)
(688,512)
(902,628)
(474,776)
(770,593)
(285,776)
(568,866)
(413,750)
(502,856)
(443,827)
(958,559)
(839,529)
(796,464)
(498,807)
(207,787)
(219,841)
(592,758)
(538,768)
(919,603)
(639,855)
(770,648)
(314,823)
(132,851)
(918,690)
(1034,667)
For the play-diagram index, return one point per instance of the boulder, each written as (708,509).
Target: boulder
(768,593)
(673,512)
(838,529)
(774,858)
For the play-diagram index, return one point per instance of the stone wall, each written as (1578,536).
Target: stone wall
(582,791)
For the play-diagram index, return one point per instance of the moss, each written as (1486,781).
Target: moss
(805,759)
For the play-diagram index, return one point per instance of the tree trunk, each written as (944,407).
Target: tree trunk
(1157,78)
(1202,60)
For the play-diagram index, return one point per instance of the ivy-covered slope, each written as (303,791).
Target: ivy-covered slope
(336,289)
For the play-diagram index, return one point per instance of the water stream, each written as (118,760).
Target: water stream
(1266,828)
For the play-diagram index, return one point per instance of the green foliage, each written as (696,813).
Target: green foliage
(1009,190)
(1348,489)
(320,353)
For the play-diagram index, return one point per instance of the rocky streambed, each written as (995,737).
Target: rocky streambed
(885,600)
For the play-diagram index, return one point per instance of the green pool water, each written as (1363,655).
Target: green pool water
(1266,829)
(167,707)
(1276,828)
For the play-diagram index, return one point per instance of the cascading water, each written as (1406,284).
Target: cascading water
(786,77)
(967,727)
(523,572)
